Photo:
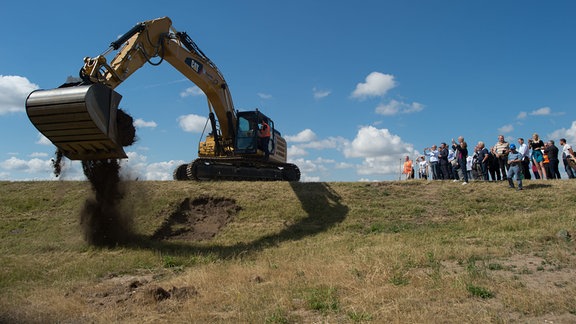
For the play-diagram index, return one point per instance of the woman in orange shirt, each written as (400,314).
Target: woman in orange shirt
(407,168)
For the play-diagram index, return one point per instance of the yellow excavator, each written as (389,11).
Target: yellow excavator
(84,121)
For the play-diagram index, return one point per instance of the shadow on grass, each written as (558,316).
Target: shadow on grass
(323,207)
(528,185)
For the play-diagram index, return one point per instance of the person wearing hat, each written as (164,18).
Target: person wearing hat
(515,167)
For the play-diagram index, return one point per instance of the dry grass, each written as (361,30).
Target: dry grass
(390,252)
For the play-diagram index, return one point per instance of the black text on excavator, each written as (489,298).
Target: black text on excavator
(84,122)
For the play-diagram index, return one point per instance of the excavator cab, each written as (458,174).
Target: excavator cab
(247,139)
(80,120)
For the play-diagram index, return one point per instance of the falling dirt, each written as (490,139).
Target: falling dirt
(197,219)
(104,219)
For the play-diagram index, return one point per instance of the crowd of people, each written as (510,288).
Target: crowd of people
(502,161)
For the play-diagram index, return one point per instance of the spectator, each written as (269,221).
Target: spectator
(434,162)
(501,152)
(461,153)
(483,159)
(535,171)
(494,165)
(537,146)
(546,162)
(444,163)
(552,152)
(525,151)
(567,153)
(408,169)
(515,162)
(422,168)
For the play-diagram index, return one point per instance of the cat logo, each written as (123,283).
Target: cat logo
(195,65)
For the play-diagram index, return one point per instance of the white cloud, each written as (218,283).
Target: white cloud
(306,135)
(43,140)
(137,166)
(295,150)
(13,93)
(506,129)
(264,95)
(382,151)
(569,134)
(33,165)
(38,154)
(319,94)
(377,84)
(141,123)
(192,123)
(192,91)
(396,107)
(544,111)
(373,142)
(522,115)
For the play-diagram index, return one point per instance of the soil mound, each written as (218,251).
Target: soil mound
(198,219)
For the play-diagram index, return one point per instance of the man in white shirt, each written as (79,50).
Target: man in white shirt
(566,153)
(525,151)
(434,162)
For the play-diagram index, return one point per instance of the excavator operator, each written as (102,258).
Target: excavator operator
(264,135)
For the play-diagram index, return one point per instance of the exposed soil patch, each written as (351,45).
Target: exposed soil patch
(128,289)
(198,219)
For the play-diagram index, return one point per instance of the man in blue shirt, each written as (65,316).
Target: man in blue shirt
(515,163)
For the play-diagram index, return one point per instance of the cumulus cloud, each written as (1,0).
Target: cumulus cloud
(373,142)
(137,166)
(34,165)
(13,92)
(319,94)
(377,84)
(141,123)
(294,150)
(381,150)
(506,129)
(395,107)
(569,134)
(192,123)
(306,135)
(522,115)
(544,111)
(192,91)
(43,140)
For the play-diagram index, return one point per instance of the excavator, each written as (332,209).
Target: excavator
(84,121)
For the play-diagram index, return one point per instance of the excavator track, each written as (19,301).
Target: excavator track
(236,169)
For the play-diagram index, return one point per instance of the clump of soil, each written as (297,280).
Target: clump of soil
(127,289)
(198,219)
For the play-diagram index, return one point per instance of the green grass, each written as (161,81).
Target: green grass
(407,251)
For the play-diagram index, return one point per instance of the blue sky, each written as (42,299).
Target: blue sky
(353,86)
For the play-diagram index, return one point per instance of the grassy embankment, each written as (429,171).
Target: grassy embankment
(409,251)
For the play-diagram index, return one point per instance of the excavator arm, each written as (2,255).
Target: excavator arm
(81,120)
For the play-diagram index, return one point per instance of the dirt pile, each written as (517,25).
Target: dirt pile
(197,219)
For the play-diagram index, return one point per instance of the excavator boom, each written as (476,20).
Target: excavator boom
(84,121)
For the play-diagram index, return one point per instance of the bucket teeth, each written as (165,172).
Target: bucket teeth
(80,120)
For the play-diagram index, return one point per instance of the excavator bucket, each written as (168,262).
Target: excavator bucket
(80,120)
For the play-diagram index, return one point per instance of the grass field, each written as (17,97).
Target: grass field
(386,252)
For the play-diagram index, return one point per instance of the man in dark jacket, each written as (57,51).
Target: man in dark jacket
(461,152)
(552,152)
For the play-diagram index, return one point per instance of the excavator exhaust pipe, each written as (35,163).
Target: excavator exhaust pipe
(81,120)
